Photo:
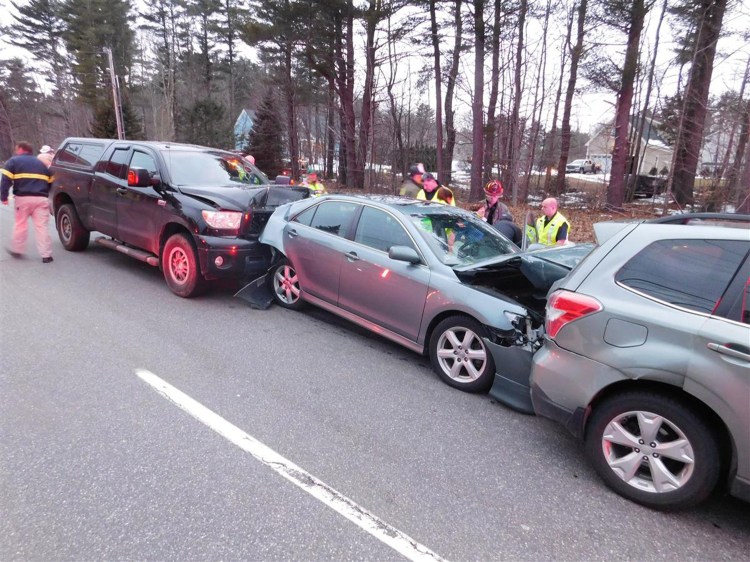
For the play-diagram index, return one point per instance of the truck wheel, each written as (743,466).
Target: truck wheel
(73,236)
(181,267)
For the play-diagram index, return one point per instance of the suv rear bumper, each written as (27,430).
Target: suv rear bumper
(563,384)
(223,258)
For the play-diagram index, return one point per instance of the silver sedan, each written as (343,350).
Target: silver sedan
(435,279)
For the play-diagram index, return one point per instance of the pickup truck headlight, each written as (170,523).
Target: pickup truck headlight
(223,220)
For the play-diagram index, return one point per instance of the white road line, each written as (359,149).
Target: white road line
(397,540)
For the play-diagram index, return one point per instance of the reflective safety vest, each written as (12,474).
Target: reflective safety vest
(422,197)
(546,235)
(317,188)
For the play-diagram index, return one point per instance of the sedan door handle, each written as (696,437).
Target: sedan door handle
(293,233)
(122,191)
(742,353)
(352,256)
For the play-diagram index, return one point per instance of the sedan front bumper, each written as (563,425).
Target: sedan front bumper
(512,370)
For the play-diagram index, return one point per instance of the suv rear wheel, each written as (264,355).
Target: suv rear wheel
(653,449)
(181,267)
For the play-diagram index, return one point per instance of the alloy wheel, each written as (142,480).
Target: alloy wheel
(179,265)
(648,451)
(461,354)
(286,285)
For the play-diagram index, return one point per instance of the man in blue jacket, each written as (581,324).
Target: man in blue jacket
(30,180)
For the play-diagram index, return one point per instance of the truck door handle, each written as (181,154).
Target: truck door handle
(352,256)
(742,353)
(122,191)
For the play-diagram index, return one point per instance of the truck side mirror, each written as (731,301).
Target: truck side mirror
(139,177)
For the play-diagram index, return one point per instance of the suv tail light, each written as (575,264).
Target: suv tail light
(564,307)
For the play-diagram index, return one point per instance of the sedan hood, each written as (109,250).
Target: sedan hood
(526,277)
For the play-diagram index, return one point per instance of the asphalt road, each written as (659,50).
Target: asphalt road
(97,465)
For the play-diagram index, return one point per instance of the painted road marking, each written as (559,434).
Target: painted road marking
(385,533)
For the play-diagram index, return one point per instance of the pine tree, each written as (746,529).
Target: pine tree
(93,25)
(265,139)
(104,125)
(38,27)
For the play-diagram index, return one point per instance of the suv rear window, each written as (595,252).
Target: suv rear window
(692,274)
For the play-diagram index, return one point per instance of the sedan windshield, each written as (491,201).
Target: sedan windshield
(458,238)
(211,168)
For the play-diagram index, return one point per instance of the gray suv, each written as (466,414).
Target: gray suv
(647,358)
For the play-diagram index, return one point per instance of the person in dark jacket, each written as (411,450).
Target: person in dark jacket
(497,214)
(413,183)
(30,181)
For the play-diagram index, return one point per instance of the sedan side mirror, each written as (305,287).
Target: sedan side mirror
(404,253)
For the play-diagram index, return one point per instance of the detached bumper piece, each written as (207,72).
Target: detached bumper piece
(511,384)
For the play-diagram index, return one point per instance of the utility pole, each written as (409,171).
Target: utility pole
(115,95)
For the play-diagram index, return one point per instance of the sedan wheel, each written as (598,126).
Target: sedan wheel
(653,450)
(286,291)
(460,357)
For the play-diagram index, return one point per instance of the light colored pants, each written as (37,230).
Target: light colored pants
(36,208)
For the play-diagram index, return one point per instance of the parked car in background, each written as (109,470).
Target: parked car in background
(581,166)
(194,212)
(647,358)
(433,278)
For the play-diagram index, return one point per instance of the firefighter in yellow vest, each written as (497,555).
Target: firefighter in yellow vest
(550,228)
(432,191)
(314,185)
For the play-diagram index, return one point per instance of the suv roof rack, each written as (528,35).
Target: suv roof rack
(702,218)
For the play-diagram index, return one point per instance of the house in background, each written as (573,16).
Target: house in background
(654,150)
(242,128)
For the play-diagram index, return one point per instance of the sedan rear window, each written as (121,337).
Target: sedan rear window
(689,273)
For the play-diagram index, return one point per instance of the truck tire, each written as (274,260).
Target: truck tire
(181,267)
(73,236)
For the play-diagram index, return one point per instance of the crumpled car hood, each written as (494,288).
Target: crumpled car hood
(241,198)
(235,198)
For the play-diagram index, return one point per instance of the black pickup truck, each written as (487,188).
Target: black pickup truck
(194,212)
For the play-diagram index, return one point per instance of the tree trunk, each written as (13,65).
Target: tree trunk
(514,143)
(565,127)
(538,108)
(291,108)
(477,104)
(490,127)
(371,20)
(639,156)
(450,129)
(744,194)
(551,142)
(616,189)
(330,136)
(438,93)
(687,149)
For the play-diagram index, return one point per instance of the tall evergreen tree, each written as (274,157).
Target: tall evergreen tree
(265,143)
(38,28)
(93,25)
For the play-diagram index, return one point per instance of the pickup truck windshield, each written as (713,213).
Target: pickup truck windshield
(211,169)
